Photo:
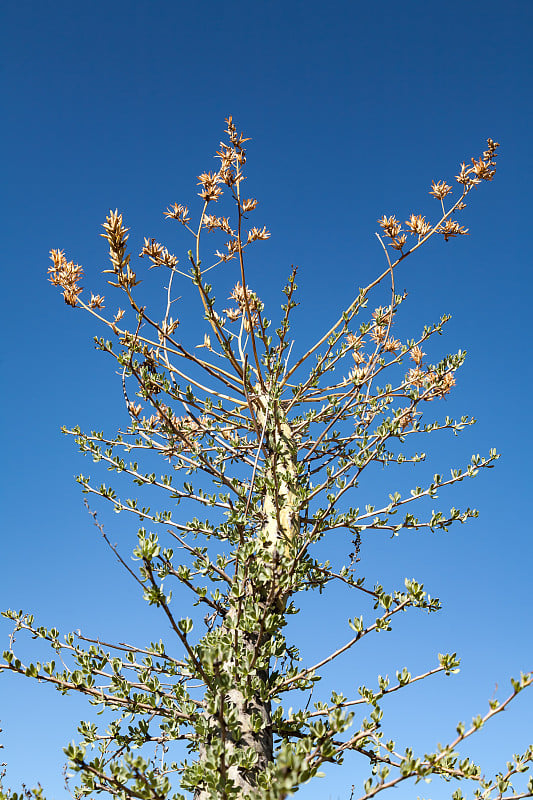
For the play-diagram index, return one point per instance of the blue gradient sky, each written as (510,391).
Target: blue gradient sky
(352,108)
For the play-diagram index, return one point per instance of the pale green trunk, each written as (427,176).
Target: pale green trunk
(280,528)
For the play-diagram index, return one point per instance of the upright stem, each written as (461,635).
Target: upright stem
(242,720)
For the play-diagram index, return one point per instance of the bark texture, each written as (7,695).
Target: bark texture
(245,701)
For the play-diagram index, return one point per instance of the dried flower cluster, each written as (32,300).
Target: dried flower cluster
(158,255)
(245,299)
(482,169)
(178,212)
(65,274)
(222,223)
(417,224)
(440,190)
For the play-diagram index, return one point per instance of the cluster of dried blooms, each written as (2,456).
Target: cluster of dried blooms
(245,299)
(158,255)
(178,212)
(482,169)
(117,236)
(65,274)
(429,383)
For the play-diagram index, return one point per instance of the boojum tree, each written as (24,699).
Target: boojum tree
(276,442)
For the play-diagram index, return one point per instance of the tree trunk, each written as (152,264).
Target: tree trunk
(281,526)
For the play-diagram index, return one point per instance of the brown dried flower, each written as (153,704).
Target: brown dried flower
(357,374)
(390,225)
(399,242)
(417,354)
(415,377)
(237,294)
(206,342)
(236,140)
(65,274)
(391,345)
(232,314)
(152,422)
(117,235)
(134,410)
(447,382)
(258,233)
(378,333)
(392,229)
(483,169)
(167,328)
(158,255)
(352,340)
(227,157)
(232,248)
(211,223)
(452,228)
(440,189)
(96,301)
(490,153)
(210,189)
(417,224)
(439,385)
(463,176)
(254,305)
(249,205)
(179,212)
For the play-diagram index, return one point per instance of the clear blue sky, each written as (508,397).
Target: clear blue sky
(353,108)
